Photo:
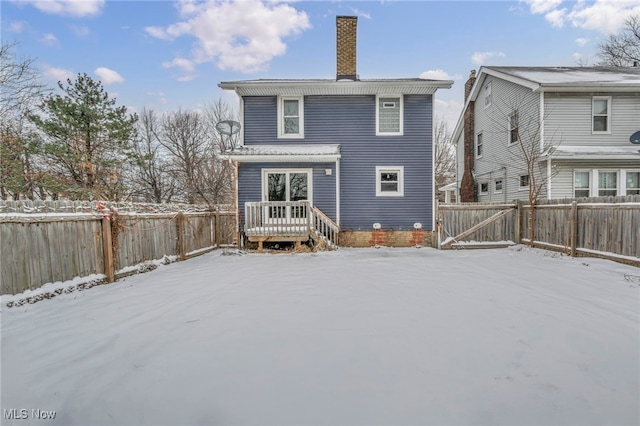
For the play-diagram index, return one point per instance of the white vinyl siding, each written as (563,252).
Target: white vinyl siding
(389,115)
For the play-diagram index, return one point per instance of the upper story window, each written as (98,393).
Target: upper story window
(479,145)
(601,114)
(389,181)
(291,117)
(488,97)
(514,129)
(581,183)
(389,115)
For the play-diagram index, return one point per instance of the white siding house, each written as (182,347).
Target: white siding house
(575,124)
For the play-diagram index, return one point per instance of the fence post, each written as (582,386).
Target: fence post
(107,249)
(574,227)
(217,225)
(518,224)
(180,236)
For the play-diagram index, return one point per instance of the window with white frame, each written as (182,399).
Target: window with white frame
(488,97)
(389,181)
(389,115)
(607,183)
(601,114)
(524,181)
(497,186)
(291,117)
(581,183)
(514,130)
(484,187)
(479,145)
(632,180)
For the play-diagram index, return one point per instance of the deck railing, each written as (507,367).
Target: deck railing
(289,218)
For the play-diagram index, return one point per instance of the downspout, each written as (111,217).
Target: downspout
(338,192)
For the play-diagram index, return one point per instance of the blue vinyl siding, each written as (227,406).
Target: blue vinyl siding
(324,187)
(350,121)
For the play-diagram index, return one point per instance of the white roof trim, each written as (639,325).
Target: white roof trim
(596,153)
(285,153)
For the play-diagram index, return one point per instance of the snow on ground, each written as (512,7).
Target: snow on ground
(357,336)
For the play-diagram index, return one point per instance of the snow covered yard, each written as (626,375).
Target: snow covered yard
(357,336)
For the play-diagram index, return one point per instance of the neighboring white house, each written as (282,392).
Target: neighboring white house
(579,121)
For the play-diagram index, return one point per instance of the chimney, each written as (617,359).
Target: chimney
(346,47)
(469,84)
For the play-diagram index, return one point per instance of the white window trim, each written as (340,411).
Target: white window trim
(400,170)
(265,182)
(509,128)
(495,191)
(520,187)
(573,192)
(485,97)
(597,181)
(608,99)
(480,191)
(401,100)
(623,179)
(281,133)
(476,145)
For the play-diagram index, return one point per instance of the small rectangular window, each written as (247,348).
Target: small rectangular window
(514,130)
(497,186)
(484,187)
(488,97)
(290,117)
(524,181)
(633,183)
(601,114)
(389,115)
(581,184)
(607,183)
(389,181)
(479,145)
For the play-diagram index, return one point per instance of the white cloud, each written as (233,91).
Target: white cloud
(49,40)
(80,30)
(581,41)
(240,36)
(480,58)
(16,26)
(108,76)
(439,75)
(360,13)
(606,16)
(448,110)
(57,74)
(76,8)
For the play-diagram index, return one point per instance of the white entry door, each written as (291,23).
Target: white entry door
(286,185)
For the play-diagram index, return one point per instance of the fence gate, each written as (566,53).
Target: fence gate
(474,225)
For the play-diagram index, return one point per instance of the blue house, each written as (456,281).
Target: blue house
(327,159)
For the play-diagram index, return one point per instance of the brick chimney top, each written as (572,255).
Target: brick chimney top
(469,84)
(346,28)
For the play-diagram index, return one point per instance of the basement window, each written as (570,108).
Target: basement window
(389,115)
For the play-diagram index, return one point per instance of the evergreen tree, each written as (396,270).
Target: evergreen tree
(86,140)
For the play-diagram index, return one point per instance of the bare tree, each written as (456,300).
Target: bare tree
(444,161)
(622,49)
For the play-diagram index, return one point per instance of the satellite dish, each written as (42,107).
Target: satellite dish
(228,127)
(635,138)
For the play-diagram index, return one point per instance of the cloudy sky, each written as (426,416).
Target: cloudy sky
(168,55)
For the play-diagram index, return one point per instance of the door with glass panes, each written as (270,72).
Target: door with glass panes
(286,185)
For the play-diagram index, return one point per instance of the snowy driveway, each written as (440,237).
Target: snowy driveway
(357,336)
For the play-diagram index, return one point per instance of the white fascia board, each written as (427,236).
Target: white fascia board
(592,87)
(330,87)
(282,158)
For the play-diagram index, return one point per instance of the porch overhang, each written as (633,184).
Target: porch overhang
(285,154)
(596,153)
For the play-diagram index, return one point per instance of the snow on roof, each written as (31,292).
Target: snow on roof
(604,152)
(314,153)
(579,76)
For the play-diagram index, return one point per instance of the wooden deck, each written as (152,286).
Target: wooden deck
(288,221)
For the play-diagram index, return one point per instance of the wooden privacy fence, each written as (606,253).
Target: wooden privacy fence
(606,227)
(53,241)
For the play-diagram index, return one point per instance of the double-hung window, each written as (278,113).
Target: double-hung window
(290,117)
(601,114)
(514,131)
(389,115)
(632,180)
(524,182)
(607,183)
(488,97)
(389,181)
(479,145)
(581,183)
